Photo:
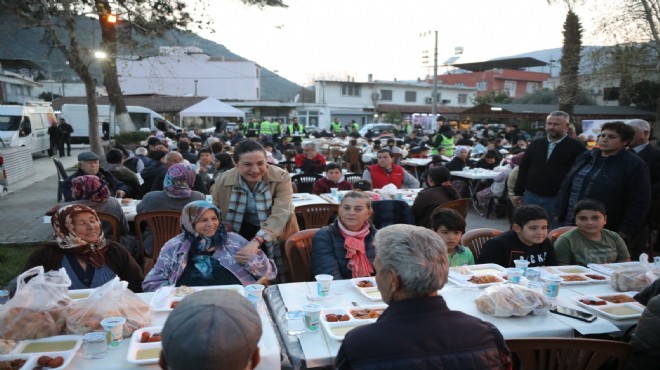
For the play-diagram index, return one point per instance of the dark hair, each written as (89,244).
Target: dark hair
(247,146)
(449,218)
(491,154)
(183,146)
(390,141)
(590,205)
(268,143)
(527,213)
(363,185)
(157,155)
(353,142)
(332,166)
(626,132)
(196,139)
(224,161)
(123,150)
(436,159)
(114,156)
(203,150)
(384,150)
(153,141)
(438,174)
(217,147)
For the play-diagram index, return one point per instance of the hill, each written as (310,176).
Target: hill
(19,42)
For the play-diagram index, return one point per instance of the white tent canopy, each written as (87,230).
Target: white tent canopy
(211,107)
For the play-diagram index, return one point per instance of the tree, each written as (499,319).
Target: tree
(644,95)
(493,97)
(570,63)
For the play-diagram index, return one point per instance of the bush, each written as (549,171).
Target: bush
(134,137)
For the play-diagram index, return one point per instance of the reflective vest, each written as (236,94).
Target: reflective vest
(336,127)
(356,126)
(275,127)
(380,178)
(407,129)
(301,130)
(447,143)
(265,128)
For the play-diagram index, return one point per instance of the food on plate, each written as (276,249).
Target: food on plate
(365,284)
(336,317)
(593,302)
(620,310)
(126,201)
(341,331)
(174,304)
(147,337)
(52,362)
(484,279)
(619,298)
(367,313)
(573,277)
(49,346)
(595,277)
(147,354)
(12,364)
(183,291)
(6,346)
(505,300)
(570,270)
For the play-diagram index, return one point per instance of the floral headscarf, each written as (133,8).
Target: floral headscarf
(89,187)
(179,180)
(201,247)
(66,238)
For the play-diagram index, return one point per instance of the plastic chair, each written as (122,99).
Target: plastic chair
(305,181)
(61,176)
(164,226)
(298,256)
(567,353)
(352,161)
(353,177)
(554,234)
(316,215)
(113,221)
(289,166)
(461,205)
(476,238)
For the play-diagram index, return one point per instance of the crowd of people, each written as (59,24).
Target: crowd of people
(608,193)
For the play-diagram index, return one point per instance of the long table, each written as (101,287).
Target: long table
(269,347)
(312,350)
(473,177)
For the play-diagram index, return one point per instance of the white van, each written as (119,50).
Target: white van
(26,125)
(144,119)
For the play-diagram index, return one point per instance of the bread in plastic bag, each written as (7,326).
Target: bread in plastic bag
(109,300)
(39,307)
(506,300)
(634,278)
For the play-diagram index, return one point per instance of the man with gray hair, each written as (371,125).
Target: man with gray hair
(310,161)
(545,165)
(417,330)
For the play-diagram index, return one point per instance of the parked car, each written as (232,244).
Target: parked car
(379,129)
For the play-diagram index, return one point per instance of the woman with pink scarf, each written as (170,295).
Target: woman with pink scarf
(345,249)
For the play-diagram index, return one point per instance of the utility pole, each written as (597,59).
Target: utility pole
(434,102)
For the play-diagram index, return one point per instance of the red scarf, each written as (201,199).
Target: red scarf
(358,262)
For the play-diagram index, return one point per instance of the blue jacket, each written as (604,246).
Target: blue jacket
(329,254)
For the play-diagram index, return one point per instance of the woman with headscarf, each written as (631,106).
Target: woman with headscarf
(440,191)
(81,249)
(177,184)
(204,254)
(345,249)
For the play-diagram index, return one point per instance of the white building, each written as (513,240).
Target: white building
(16,82)
(66,88)
(187,71)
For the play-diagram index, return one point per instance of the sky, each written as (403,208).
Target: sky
(317,39)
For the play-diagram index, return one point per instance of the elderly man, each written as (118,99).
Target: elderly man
(418,330)
(386,172)
(90,165)
(168,160)
(310,161)
(215,329)
(545,165)
(115,159)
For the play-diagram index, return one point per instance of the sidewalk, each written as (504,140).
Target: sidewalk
(23,207)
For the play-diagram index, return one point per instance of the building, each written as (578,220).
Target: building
(17,85)
(188,71)
(63,88)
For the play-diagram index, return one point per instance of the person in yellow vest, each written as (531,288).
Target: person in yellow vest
(296,131)
(443,139)
(251,129)
(354,125)
(335,127)
(277,130)
(406,128)
(265,129)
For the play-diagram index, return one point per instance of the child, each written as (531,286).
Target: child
(590,242)
(334,178)
(450,225)
(527,239)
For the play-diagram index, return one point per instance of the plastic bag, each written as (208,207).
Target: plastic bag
(388,191)
(109,300)
(635,278)
(39,307)
(506,300)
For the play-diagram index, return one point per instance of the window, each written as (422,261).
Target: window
(531,87)
(350,89)
(611,93)
(462,98)
(482,85)
(308,118)
(510,88)
(411,96)
(386,95)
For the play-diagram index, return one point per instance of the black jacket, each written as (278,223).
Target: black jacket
(105,177)
(329,255)
(543,175)
(622,184)
(651,156)
(424,334)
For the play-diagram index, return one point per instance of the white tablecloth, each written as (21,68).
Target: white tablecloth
(320,350)
(476,174)
(304,199)
(269,347)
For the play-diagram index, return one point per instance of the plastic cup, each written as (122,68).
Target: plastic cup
(398,196)
(295,322)
(114,330)
(656,261)
(514,275)
(334,191)
(340,196)
(552,285)
(466,169)
(533,276)
(94,345)
(312,316)
(255,290)
(323,283)
(522,264)
(254,301)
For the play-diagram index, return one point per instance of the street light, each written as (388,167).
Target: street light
(99,54)
(434,98)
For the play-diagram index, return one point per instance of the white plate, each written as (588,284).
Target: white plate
(80,293)
(610,311)
(58,338)
(571,269)
(337,330)
(164,297)
(370,293)
(597,297)
(587,280)
(135,346)
(609,268)
(463,281)
(30,360)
